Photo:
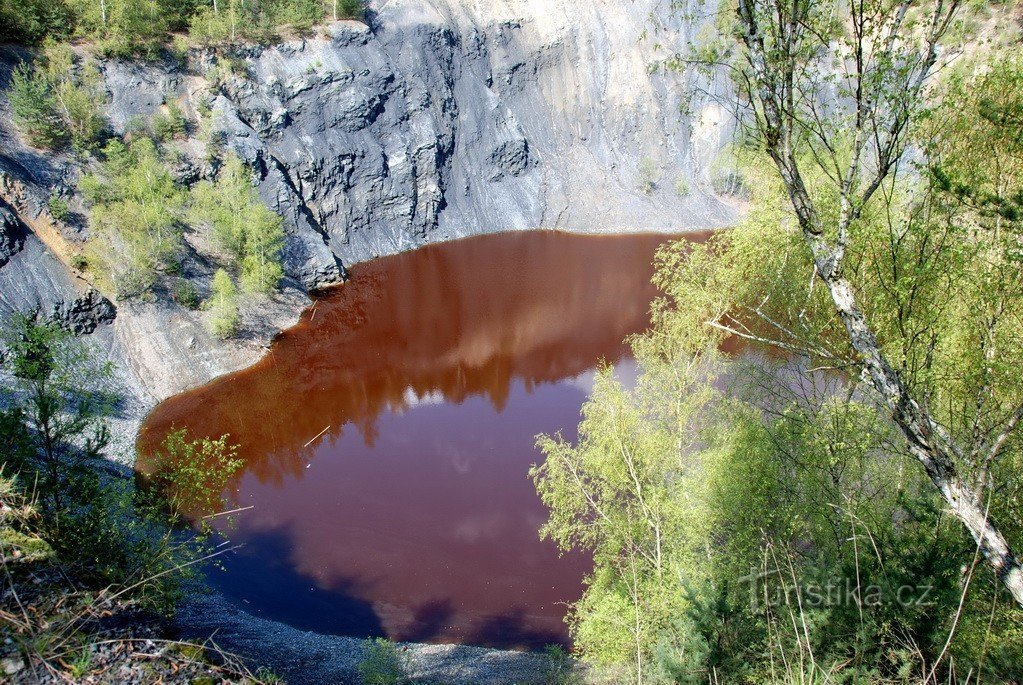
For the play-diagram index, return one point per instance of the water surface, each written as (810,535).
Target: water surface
(387,438)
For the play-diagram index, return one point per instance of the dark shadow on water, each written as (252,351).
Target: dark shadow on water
(509,631)
(430,620)
(259,579)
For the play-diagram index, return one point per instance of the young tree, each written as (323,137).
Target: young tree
(135,216)
(35,109)
(223,305)
(192,475)
(241,225)
(61,402)
(834,161)
(58,100)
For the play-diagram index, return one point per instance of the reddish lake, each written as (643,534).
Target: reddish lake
(412,515)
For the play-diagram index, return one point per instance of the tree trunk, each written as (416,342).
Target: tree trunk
(928,442)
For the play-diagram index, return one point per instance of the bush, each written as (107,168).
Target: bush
(169,124)
(223,306)
(56,102)
(15,441)
(34,108)
(135,221)
(241,225)
(58,207)
(186,294)
(382,663)
(130,28)
(192,474)
(558,667)
(647,175)
(348,9)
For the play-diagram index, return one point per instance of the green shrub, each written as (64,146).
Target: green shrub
(241,225)
(127,28)
(35,109)
(347,9)
(558,667)
(170,123)
(58,207)
(135,220)
(56,101)
(186,294)
(223,306)
(647,175)
(15,441)
(382,663)
(192,474)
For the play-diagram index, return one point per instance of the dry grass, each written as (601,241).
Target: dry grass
(54,631)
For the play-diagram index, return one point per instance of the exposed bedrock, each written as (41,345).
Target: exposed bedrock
(448,118)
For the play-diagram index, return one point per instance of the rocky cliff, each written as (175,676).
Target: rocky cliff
(435,119)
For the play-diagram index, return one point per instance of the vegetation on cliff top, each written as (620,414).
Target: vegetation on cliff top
(141,27)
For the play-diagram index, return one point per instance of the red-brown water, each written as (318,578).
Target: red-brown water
(412,515)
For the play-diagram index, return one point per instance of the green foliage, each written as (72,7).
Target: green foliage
(242,227)
(648,175)
(58,207)
(347,9)
(52,436)
(126,28)
(382,663)
(15,441)
(34,108)
(236,20)
(135,219)
(79,262)
(169,124)
(223,306)
(186,294)
(193,474)
(64,406)
(58,100)
(32,21)
(558,667)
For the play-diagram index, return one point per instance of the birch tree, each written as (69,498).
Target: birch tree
(834,90)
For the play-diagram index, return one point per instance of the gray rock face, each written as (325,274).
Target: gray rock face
(445,119)
(83,314)
(12,233)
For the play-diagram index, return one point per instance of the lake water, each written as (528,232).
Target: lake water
(387,438)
